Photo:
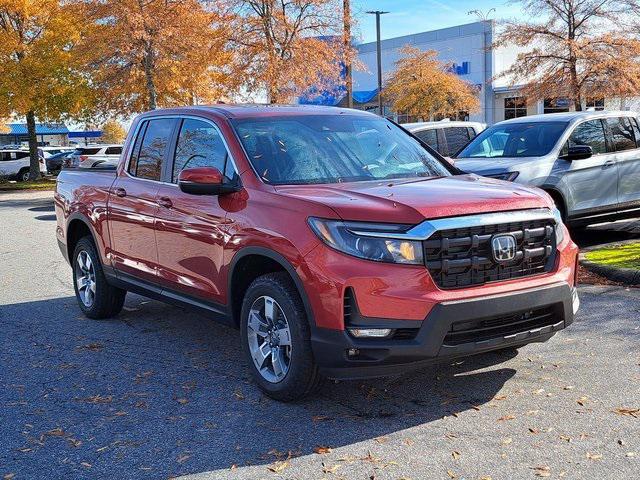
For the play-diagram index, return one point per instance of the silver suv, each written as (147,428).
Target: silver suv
(589,162)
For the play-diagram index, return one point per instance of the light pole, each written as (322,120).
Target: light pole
(377,13)
(346,8)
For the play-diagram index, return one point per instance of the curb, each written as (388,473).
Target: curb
(626,276)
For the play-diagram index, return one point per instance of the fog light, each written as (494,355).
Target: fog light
(370,332)
(353,352)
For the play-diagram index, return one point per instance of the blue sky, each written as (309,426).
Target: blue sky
(413,16)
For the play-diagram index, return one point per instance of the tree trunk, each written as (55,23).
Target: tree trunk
(148,73)
(34,164)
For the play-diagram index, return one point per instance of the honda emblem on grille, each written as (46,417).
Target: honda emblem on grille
(503,248)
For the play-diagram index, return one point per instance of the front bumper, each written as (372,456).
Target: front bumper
(340,355)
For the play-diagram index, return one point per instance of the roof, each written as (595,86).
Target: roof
(41,129)
(441,124)
(86,134)
(256,110)
(570,116)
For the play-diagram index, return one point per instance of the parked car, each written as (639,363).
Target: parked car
(335,242)
(446,137)
(55,162)
(93,155)
(589,162)
(14,164)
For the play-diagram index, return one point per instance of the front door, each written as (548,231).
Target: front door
(592,182)
(190,228)
(133,206)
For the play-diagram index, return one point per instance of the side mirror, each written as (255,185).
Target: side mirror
(578,152)
(204,181)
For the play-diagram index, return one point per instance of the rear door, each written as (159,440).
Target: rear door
(133,203)
(592,183)
(190,228)
(626,139)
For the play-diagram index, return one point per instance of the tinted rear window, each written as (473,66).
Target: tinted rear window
(457,137)
(622,132)
(87,151)
(113,151)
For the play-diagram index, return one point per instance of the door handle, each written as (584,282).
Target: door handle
(120,192)
(165,202)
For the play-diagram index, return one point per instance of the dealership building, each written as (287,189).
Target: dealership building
(467,49)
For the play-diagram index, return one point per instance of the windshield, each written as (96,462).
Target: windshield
(522,139)
(308,149)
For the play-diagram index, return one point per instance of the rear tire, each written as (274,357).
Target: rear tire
(277,345)
(96,298)
(23,175)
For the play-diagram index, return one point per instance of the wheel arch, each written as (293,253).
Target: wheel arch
(78,226)
(270,261)
(558,198)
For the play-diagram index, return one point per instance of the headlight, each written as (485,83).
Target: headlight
(559,226)
(508,176)
(370,242)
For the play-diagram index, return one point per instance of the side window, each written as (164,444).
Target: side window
(589,133)
(622,133)
(19,155)
(113,151)
(457,137)
(153,149)
(5,156)
(636,130)
(135,152)
(199,145)
(430,137)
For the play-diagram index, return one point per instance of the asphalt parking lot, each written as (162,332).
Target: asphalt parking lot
(160,392)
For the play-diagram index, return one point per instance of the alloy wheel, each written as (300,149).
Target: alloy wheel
(269,339)
(85,279)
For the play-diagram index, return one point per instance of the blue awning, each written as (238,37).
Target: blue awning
(86,134)
(333,99)
(41,129)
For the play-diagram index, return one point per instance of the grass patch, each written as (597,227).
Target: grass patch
(624,256)
(42,184)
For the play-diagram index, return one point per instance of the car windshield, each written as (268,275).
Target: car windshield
(522,139)
(313,149)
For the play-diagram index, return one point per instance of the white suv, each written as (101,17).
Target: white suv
(93,155)
(446,137)
(14,163)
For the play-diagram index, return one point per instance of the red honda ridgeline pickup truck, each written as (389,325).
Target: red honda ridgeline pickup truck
(335,241)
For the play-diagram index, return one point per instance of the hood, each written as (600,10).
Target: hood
(412,201)
(492,165)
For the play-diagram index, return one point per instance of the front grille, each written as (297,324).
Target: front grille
(478,330)
(462,257)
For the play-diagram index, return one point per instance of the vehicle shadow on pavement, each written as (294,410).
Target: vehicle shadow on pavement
(159,391)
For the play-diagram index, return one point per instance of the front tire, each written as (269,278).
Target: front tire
(276,340)
(96,298)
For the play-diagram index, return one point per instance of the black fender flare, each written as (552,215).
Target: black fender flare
(280,259)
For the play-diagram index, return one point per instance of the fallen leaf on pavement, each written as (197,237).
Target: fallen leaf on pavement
(451,474)
(183,458)
(582,400)
(182,401)
(534,430)
(326,469)
(86,464)
(507,441)
(56,432)
(506,417)
(455,455)
(543,471)
(238,394)
(278,466)
(594,456)
(322,450)
(320,418)
(632,412)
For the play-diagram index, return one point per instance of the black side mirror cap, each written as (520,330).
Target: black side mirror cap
(578,152)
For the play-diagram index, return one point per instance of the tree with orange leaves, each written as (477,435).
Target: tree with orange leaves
(144,54)
(569,51)
(39,79)
(424,87)
(291,45)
